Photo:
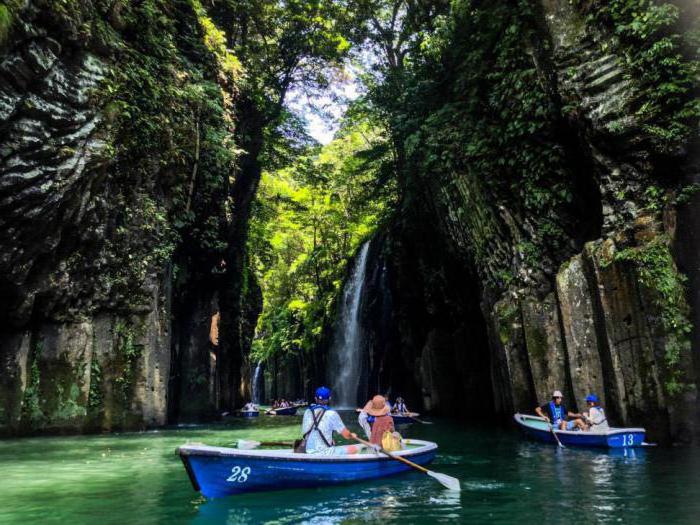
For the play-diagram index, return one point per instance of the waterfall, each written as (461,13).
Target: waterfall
(258,384)
(346,355)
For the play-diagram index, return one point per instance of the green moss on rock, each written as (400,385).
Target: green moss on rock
(32,414)
(658,273)
(8,12)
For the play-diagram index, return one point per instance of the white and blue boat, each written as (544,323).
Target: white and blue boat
(405,419)
(538,428)
(220,471)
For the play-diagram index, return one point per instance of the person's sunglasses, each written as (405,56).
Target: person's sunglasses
(557,397)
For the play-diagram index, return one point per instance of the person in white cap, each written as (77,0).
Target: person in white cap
(556,414)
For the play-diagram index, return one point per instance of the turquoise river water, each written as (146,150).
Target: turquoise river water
(137,478)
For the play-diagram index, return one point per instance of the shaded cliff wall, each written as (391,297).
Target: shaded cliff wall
(552,150)
(424,336)
(113,162)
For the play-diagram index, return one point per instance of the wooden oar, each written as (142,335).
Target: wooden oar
(420,420)
(551,428)
(248,444)
(446,481)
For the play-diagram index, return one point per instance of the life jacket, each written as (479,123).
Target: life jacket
(556,413)
(370,419)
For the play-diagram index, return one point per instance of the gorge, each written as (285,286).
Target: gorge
(510,207)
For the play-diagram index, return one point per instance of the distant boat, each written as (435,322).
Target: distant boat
(405,418)
(538,428)
(286,411)
(220,471)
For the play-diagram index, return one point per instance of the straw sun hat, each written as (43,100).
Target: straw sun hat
(377,406)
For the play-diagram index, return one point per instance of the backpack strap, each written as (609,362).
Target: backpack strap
(314,426)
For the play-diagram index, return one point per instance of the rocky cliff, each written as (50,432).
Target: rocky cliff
(548,213)
(547,160)
(114,158)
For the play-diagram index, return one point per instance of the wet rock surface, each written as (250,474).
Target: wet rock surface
(478,302)
(605,312)
(87,235)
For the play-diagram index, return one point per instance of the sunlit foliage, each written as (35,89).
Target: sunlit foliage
(309,219)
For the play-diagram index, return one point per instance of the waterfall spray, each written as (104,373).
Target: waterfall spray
(258,384)
(346,358)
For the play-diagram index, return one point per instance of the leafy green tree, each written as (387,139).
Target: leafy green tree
(309,219)
(279,45)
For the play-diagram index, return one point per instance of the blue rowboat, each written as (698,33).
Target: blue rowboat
(399,419)
(404,419)
(287,411)
(537,428)
(249,413)
(220,471)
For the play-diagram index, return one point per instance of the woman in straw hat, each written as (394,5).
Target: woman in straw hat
(377,413)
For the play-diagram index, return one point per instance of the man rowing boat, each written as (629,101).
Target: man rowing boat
(318,426)
(400,407)
(556,414)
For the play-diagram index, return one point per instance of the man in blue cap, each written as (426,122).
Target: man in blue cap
(319,424)
(595,417)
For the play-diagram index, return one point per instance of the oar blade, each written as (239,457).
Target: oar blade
(447,481)
(247,444)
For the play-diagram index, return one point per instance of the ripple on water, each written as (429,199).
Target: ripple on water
(136,478)
(483,485)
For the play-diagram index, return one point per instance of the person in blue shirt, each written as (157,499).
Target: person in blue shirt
(595,417)
(555,413)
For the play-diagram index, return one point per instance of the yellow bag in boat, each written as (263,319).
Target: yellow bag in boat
(391,441)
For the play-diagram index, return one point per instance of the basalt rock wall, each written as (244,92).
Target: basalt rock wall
(113,165)
(555,184)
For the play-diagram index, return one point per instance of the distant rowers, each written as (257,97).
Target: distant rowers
(399,407)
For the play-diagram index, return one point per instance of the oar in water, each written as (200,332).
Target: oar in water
(248,444)
(551,428)
(421,421)
(446,481)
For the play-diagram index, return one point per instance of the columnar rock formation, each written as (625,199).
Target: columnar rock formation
(110,199)
(548,174)
(582,293)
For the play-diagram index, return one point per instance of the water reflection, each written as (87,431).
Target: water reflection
(399,499)
(136,478)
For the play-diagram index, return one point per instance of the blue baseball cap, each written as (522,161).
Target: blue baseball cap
(592,398)
(323,392)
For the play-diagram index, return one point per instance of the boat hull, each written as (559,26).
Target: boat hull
(399,419)
(538,429)
(217,472)
(249,413)
(404,419)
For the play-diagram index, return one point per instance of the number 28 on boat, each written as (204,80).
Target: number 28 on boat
(220,471)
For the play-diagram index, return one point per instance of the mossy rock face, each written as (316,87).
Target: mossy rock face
(510,356)
(55,396)
(545,348)
(132,102)
(576,300)
(139,121)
